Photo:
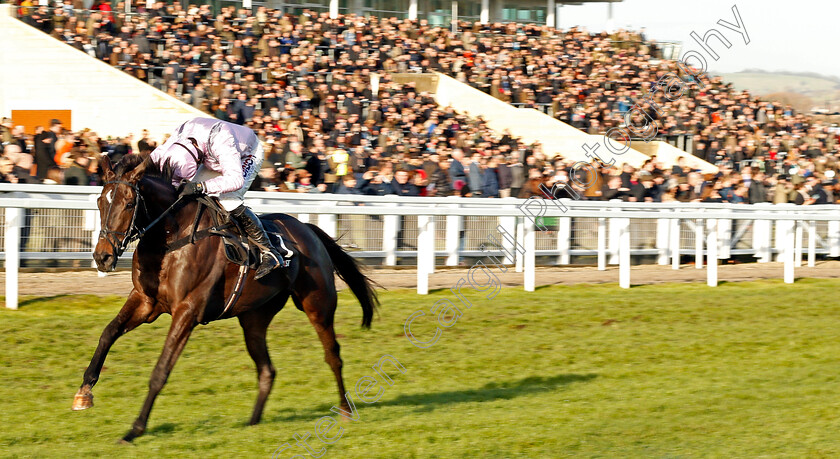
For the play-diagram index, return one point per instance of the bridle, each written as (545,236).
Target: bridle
(132,233)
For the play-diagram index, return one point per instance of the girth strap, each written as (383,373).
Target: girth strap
(217,230)
(197,236)
(237,291)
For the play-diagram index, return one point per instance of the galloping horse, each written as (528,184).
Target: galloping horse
(192,281)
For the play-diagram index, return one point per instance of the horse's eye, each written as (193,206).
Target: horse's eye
(130,205)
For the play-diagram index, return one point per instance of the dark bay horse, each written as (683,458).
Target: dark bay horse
(193,282)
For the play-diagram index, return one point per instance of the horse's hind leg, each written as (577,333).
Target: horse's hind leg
(182,326)
(320,307)
(254,325)
(138,309)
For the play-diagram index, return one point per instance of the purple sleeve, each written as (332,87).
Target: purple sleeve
(226,149)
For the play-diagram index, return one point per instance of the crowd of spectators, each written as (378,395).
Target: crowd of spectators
(318,93)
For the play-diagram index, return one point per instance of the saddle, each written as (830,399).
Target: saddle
(239,249)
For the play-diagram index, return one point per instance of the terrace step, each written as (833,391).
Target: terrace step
(557,138)
(50,75)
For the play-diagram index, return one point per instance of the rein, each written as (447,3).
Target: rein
(198,159)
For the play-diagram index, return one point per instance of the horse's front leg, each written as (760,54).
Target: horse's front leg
(183,323)
(138,309)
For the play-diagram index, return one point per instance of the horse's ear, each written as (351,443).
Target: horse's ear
(136,174)
(107,170)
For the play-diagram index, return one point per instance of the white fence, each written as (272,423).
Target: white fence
(49,222)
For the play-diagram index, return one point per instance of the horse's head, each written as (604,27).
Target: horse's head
(119,206)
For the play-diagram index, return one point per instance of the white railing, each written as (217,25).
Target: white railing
(61,222)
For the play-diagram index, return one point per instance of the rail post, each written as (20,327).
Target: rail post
(788,247)
(782,227)
(14,222)
(834,238)
(564,240)
(425,252)
(663,241)
(453,236)
(328,222)
(812,243)
(675,241)
(724,229)
(390,230)
(797,256)
(762,236)
(698,242)
(602,243)
(520,239)
(624,252)
(613,239)
(712,225)
(509,224)
(530,245)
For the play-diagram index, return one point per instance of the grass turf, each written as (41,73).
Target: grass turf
(674,370)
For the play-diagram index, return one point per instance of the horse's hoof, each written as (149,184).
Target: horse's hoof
(131,435)
(123,441)
(82,401)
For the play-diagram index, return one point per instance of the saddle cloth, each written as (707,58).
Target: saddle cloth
(238,248)
(241,251)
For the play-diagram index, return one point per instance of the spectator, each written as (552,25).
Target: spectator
(6,136)
(505,176)
(402,186)
(77,172)
(6,171)
(490,180)
(45,148)
(21,164)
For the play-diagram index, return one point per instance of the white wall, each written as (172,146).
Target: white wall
(556,137)
(37,72)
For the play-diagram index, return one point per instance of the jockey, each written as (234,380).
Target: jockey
(220,159)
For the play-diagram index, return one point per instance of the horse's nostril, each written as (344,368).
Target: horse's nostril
(102,259)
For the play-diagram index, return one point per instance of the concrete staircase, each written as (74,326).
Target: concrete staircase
(41,73)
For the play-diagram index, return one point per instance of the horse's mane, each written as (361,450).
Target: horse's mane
(130,162)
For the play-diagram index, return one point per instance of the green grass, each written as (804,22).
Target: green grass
(675,370)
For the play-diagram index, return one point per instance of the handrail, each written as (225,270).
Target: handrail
(265,197)
(507,207)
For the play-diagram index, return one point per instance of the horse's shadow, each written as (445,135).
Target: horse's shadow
(423,402)
(429,401)
(489,392)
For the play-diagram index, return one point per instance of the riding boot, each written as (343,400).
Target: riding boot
(269,257)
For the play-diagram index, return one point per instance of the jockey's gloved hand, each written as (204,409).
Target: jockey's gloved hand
(192,189)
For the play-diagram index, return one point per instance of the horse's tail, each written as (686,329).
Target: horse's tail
(348,270)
